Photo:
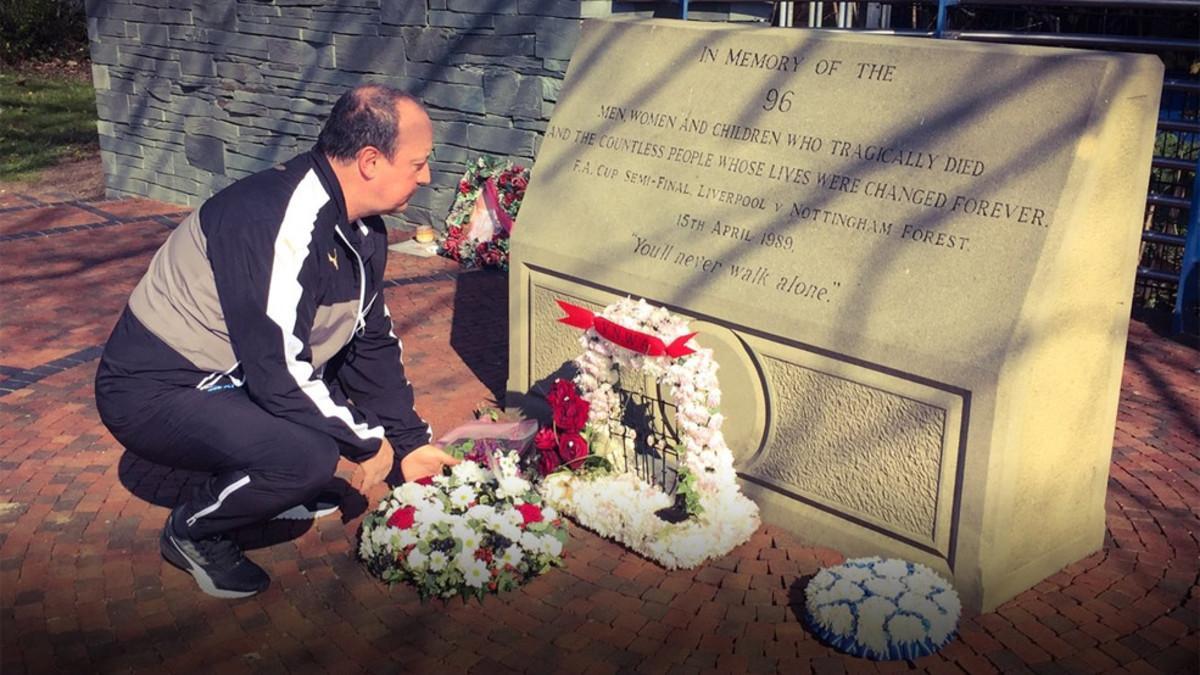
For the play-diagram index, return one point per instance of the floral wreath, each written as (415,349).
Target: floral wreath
(882,609)
(484,212)
(479,529)
(634,337)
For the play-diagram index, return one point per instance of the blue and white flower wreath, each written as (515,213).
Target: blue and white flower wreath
(882,609)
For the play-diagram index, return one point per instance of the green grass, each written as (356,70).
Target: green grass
(43,121)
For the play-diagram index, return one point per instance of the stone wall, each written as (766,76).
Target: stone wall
(194,94)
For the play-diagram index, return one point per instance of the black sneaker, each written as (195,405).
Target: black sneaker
(216,563)
(325,503)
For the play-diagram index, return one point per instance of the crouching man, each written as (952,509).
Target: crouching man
(258,347)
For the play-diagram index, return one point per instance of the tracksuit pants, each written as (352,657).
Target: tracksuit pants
(261,464)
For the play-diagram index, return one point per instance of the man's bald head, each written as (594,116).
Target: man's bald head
(367,115)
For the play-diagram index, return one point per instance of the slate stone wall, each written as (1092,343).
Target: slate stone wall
(194,94)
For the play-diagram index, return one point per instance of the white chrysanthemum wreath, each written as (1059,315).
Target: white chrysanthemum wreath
(882,609)
(623,507)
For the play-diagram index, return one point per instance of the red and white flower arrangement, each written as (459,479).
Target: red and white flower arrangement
(564,444)
(484,212)
(621,506)
(479,529)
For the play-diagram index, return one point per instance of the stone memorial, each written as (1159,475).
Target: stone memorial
(913,259)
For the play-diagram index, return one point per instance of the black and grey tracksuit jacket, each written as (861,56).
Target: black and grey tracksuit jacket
(267,286)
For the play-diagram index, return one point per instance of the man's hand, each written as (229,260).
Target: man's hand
(377,468)
(426,460)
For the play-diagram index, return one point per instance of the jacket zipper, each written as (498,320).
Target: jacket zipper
(359,322)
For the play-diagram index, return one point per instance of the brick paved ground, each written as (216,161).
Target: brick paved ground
(82,587)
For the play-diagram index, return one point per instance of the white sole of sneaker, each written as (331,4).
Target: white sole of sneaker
(301,512)
(203,580)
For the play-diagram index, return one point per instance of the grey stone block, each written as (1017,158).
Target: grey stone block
(113,106)
(556,38)
(453,153)
(272,151)
(272,30)
(551,86)
(428,44)
(104,53)
(299,52)
(243,73)
(162,158)
(220,183)
(444,73)
(369,54)
(159,88)
(502,141)
(532,125)
(120,10)
(226,42)
(206,126)
(236,161)
(157,35)
(525,65)
(278,126)
(121,82)
(509,94)
(503,45)
(100,79)
(197,63)
(121,186)
(404,12)
(467,22)
(482,6)
(455,96)
(242,108)
(98,26)
(568,9)
(555,65)
(216,14)
(120,146)
(450,132)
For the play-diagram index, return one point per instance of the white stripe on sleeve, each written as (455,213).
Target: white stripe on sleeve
(291,248)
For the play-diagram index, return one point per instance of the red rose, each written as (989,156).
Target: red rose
(561,392)
(464,187)
(545,439)
(425,480)
(403,518)
(572,448)
(548,461)
(572,415)
(520,183)
(530,512)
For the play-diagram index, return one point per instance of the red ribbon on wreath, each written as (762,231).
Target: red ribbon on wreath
(633,340)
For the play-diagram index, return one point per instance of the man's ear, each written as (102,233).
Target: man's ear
(368,160)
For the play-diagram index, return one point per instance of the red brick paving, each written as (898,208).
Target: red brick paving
(82,586)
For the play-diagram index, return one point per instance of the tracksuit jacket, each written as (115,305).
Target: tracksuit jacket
(267,286)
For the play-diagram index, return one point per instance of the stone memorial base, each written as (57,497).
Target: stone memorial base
(913,259)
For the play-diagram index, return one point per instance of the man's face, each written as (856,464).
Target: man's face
(399,178)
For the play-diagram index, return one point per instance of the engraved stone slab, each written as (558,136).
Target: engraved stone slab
(914,258)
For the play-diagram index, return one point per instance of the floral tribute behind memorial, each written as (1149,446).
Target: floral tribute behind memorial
(633,337)
(479,529)
(882,609)
(484,212)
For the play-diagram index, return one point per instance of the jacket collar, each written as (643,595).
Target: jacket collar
(363,244)
(332,187)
